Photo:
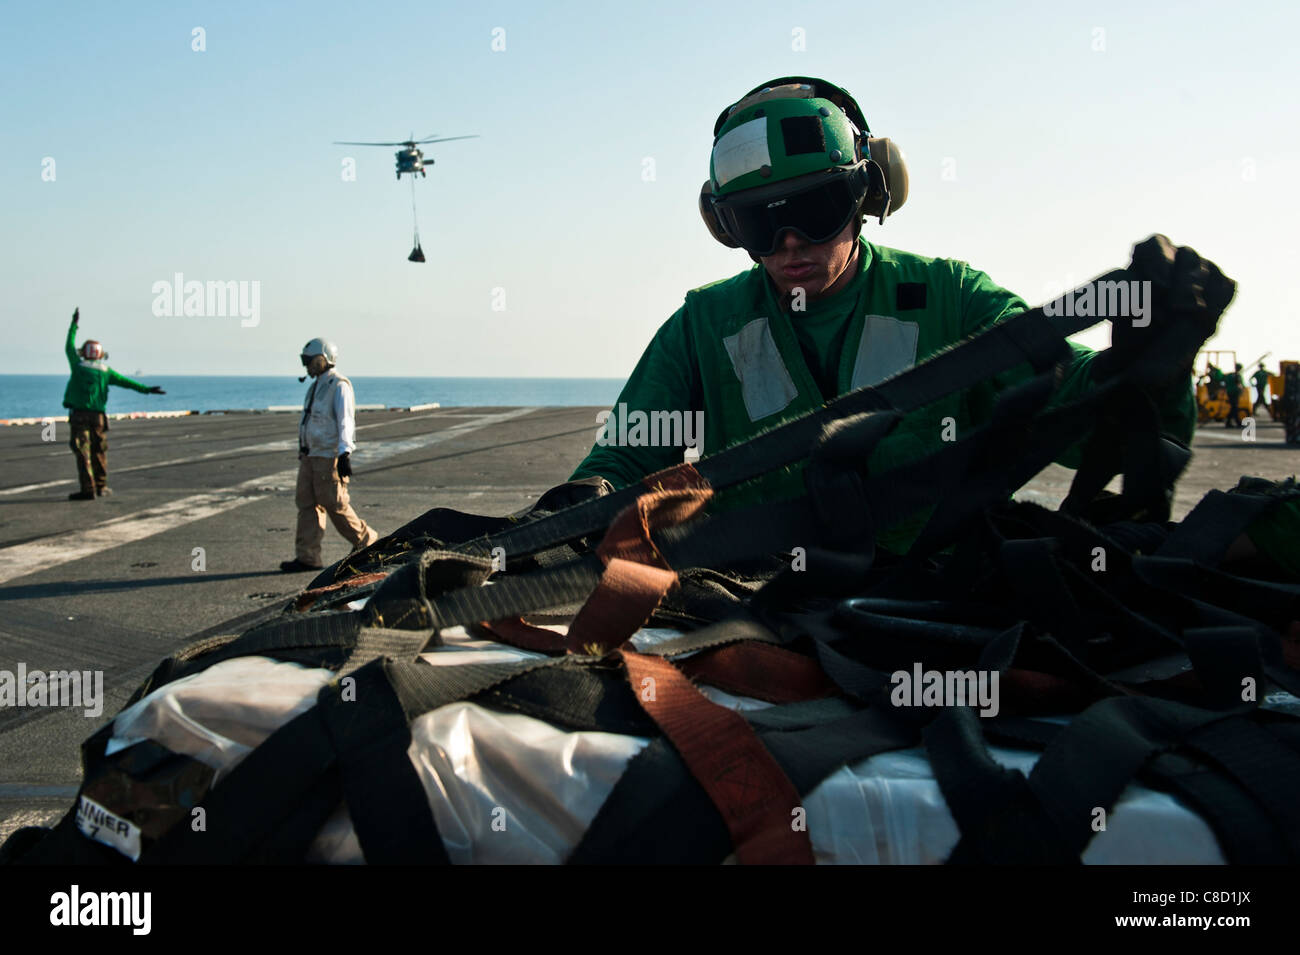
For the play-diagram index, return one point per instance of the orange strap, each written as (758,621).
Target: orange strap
(518,632)
(756,799)
(636,577)
(308,597)
(760,670)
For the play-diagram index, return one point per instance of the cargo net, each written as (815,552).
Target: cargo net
(650,675)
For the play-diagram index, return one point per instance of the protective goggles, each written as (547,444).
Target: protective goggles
(819,211)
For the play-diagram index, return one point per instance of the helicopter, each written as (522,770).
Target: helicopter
(410,159)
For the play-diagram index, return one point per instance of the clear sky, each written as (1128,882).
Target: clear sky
(1043,140)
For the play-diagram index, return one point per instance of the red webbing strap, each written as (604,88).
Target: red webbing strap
(1291,646)
(756,798)
(627,595)
(760,670)
(518,632)
(1031,693)
(308,597)
(636,576)
(679,477)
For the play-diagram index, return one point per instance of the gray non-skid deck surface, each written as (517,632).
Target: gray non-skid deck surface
(110,585)
(199,482)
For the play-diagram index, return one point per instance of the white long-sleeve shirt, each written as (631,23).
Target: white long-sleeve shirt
(328,426)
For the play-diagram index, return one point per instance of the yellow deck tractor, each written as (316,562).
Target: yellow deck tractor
(1211,389)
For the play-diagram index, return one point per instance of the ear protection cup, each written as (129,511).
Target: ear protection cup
(710,217)
(888,196)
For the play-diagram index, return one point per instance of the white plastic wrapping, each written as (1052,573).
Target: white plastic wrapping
(508,788)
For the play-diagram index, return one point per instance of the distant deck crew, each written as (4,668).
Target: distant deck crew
(326,439)
(86,397)
(1260,380)
(1232,387)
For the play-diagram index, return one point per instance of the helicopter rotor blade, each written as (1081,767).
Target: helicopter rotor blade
(447,139)
(338,142)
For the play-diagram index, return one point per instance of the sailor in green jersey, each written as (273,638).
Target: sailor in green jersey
(1260,381)
(823,311)
(1232,386)
(86,397)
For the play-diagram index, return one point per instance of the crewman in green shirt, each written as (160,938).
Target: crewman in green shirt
(794,171)
(1232,387)
(86,397)
(1260,380)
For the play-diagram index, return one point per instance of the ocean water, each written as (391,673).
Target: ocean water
(35,396)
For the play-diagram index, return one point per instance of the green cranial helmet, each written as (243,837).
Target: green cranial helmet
(795,155)
(781,134)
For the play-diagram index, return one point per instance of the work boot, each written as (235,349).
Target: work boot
(82,496)
(103,491)
(296,566)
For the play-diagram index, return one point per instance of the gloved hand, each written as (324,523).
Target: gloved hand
(345,464)
(155,390)
(76,315)
(1188,295)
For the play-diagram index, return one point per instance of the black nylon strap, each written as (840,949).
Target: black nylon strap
(323,639)
(988,802)
(326,752)
(519,594)
(1275,604)
(256,798)
(1224,658)
(1246,834)
(1267,768)
(1205,534)
(1089,763)
(1030,566)
(370,733)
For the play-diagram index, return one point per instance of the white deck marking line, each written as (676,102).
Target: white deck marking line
(285,445)
(35,556)
(1230,435)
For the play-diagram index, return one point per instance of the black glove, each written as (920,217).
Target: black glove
(1188,294)
(345,464)
(155,390)
(76,315)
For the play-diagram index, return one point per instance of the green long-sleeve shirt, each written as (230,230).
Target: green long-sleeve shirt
(88,387)
(715,356)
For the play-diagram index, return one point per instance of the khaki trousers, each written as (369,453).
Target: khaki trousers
(322,492)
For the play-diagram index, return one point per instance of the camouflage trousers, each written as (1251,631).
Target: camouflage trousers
(89,442)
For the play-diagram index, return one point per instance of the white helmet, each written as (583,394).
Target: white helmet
(320,346)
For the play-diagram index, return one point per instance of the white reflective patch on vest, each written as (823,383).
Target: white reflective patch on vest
(742,150)
(888,346)
(765,383)
(96,822)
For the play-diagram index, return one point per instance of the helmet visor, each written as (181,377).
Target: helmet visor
(818,212)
